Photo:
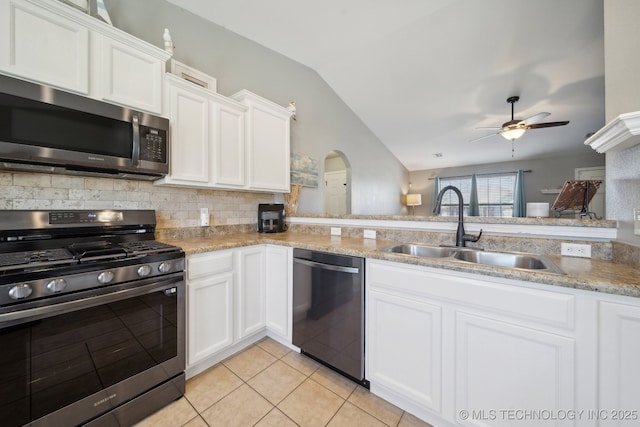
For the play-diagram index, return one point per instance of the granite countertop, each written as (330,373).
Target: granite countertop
(581,273)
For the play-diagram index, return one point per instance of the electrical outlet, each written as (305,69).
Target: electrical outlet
(336,231)
(369,234)
(204,217)
(575,249)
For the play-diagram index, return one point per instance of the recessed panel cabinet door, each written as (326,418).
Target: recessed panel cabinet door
(127,76)
(500,365)
(210,315)
(189,135)
(279,266)
(619,363)
(228,142)
(404,347)
(251,310)
(39,45)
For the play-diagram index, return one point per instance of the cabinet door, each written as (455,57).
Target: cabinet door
(228,138)
(500,365)
(619,367)
(37,44)
(189,121)
(268,143)
(127,76)
(279,265)
(404,348)
(250,300)
(210,315)
(269,152)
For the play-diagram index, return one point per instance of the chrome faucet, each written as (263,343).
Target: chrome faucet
(461,237)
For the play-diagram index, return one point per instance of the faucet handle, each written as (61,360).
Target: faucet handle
(472,238)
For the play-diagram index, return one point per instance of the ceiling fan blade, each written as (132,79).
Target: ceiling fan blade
(536,118)
(489,127)
(483,137)
(546,125)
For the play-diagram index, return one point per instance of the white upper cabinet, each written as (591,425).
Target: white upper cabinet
(228,143)
(189,121)
(268,143)
(207,137)
(54,44)
(125,74)
(239,143)
(40,45)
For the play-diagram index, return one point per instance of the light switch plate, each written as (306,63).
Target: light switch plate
(369,234)
(336,231)
(636,221)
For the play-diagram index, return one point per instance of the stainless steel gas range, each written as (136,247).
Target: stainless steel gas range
(92,318)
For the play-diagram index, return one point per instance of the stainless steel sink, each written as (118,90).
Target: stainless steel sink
(516,260)
(509,260)
(421,250)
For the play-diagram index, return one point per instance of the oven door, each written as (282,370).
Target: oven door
(70,361)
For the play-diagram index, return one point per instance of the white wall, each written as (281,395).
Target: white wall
(324,122)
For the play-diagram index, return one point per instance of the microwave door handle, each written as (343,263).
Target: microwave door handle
(135,154)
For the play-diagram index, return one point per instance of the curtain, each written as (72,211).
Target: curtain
(519,205)
(474,209)
(436,190)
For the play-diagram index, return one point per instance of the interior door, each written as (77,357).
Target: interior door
(335,192)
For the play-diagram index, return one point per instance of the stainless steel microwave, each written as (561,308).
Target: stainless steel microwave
(43,129)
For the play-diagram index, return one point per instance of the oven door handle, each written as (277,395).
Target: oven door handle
(73,305)
(339,268)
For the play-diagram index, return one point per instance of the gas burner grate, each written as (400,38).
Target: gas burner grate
(40,257)
(146,246)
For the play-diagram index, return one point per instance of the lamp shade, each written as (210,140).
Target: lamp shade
(414,199)
(513,134)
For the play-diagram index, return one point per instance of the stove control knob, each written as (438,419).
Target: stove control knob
(20,291)
(105,277)
(56,285)
(144,270)
(164,267)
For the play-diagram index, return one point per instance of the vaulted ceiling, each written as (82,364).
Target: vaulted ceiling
(424,75)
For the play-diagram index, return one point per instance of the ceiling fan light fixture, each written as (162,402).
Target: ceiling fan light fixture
(513,134)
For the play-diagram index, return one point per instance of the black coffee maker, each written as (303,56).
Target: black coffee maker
(271,218)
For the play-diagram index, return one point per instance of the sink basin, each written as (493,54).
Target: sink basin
(476,256)
(421,250)
(504,259)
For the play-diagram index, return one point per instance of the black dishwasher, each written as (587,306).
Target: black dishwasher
(328,310)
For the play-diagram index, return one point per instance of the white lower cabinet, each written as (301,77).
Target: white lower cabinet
(231,298)
(456,349)
(404,344)
(501,365)
(279,272)
(210,290)
(250,301)
(619,362)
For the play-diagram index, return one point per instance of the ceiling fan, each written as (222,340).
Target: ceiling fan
(514,128)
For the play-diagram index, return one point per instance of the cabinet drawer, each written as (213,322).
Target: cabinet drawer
(203,265)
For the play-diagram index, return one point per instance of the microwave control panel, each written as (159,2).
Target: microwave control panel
(153,144)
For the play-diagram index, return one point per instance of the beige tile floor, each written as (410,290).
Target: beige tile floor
(269,385)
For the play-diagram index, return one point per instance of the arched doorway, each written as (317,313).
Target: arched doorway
(337,184)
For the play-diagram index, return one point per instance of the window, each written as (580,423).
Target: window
(495,194)
(449,206)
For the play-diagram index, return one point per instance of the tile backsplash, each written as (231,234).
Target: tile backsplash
(175,207)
